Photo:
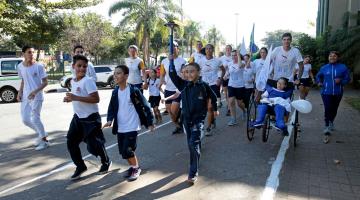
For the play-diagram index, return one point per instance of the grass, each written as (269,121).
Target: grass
(354,102)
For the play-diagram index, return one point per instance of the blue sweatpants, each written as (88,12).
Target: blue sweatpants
(279,115)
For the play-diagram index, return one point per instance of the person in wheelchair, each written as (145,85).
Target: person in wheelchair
(278,100)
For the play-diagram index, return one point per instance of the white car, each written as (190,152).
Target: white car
(104,74)
(9,79)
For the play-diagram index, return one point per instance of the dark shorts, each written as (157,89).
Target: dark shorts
(168,93)
(216,90)
(306,82)
(127,144)
(247,95)
(238,93)
(225,83)
(154,101)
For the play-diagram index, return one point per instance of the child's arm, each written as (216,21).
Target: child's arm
(178,82)
(111,111)
(213,98)
(92,98)
(174,96)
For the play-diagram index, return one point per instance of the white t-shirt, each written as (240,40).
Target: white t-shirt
(83,88)
(284,62)
(127,118)
(197,57)
(249,76)
(178,62)
(209,70)
(236,76)
(154,87)
(32,77)
(90,72)
(135,65)
(225,61)
(307,69)
(258,64)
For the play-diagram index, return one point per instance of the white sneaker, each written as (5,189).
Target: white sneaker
(43,145)
(37,141)
(232,122)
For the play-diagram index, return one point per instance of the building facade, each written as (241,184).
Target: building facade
(337,14)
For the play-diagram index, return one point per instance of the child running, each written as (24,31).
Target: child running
(129,110)
(280,98)
(195,95)
(86,123)
(154,95)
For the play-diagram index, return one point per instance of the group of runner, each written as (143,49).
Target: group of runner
(192,93)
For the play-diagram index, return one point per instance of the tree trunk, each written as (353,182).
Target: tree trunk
(191,45)
(146,47)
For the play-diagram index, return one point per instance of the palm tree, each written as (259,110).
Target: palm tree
(214,37)
(143,14)
(191,33)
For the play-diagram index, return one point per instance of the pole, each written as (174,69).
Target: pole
(172,26)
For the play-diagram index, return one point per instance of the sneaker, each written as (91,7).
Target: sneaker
(135,174)
(243,116)
(213,124)
(78,172)
(177,130)
(285,132)
(192,180)
(228,113)
(105,167)
(327,130)
(37,141)
(208,131)
(43,145)
(232,122)
(326,139)
(331,126)
(128,172)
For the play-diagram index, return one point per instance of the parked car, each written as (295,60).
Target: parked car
(104,74)
(9,79)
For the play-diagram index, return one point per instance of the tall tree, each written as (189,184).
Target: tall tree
(274,37)
(191,33)
(143,14)
(214,36)
(159,39)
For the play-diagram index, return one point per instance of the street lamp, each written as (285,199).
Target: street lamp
(236,32)
(171,25)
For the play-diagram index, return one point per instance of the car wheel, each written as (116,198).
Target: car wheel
(112,83)
(8,95)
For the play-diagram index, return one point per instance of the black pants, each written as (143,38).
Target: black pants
(193,134)
(331,105)
(247,95)
(89,131)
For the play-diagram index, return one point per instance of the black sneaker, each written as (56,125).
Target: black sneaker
(78,172)
(105,168)
(135,174)
(228,113)
(128,172)
(177,130)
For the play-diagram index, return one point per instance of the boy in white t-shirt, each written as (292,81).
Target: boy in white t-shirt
(86,122)
(129,110)
(33,81)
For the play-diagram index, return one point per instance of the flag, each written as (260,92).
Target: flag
(253,48)
(243,47)
(264,73)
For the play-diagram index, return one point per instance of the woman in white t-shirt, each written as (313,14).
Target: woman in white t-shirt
(154,95)
(236,87)
(249,79)
(307,77)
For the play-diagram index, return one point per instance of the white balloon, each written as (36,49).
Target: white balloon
(302,106)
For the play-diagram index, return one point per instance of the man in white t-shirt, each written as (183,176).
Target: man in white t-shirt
(86,122)
(225,61)
(90,71)
(197,56)
(172,105)
(33,81)
(137,75)
(284,60)
(210,66)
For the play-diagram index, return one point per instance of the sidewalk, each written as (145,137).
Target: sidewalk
(314,170)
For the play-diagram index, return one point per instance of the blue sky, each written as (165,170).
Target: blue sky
(268,15)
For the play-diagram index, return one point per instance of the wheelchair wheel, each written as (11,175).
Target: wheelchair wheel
(266,128)
(251,117)
(295,126)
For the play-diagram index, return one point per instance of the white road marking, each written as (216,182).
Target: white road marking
(68,165)
(272,181)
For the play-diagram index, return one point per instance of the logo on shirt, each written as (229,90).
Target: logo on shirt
(78,90)
(35,74)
